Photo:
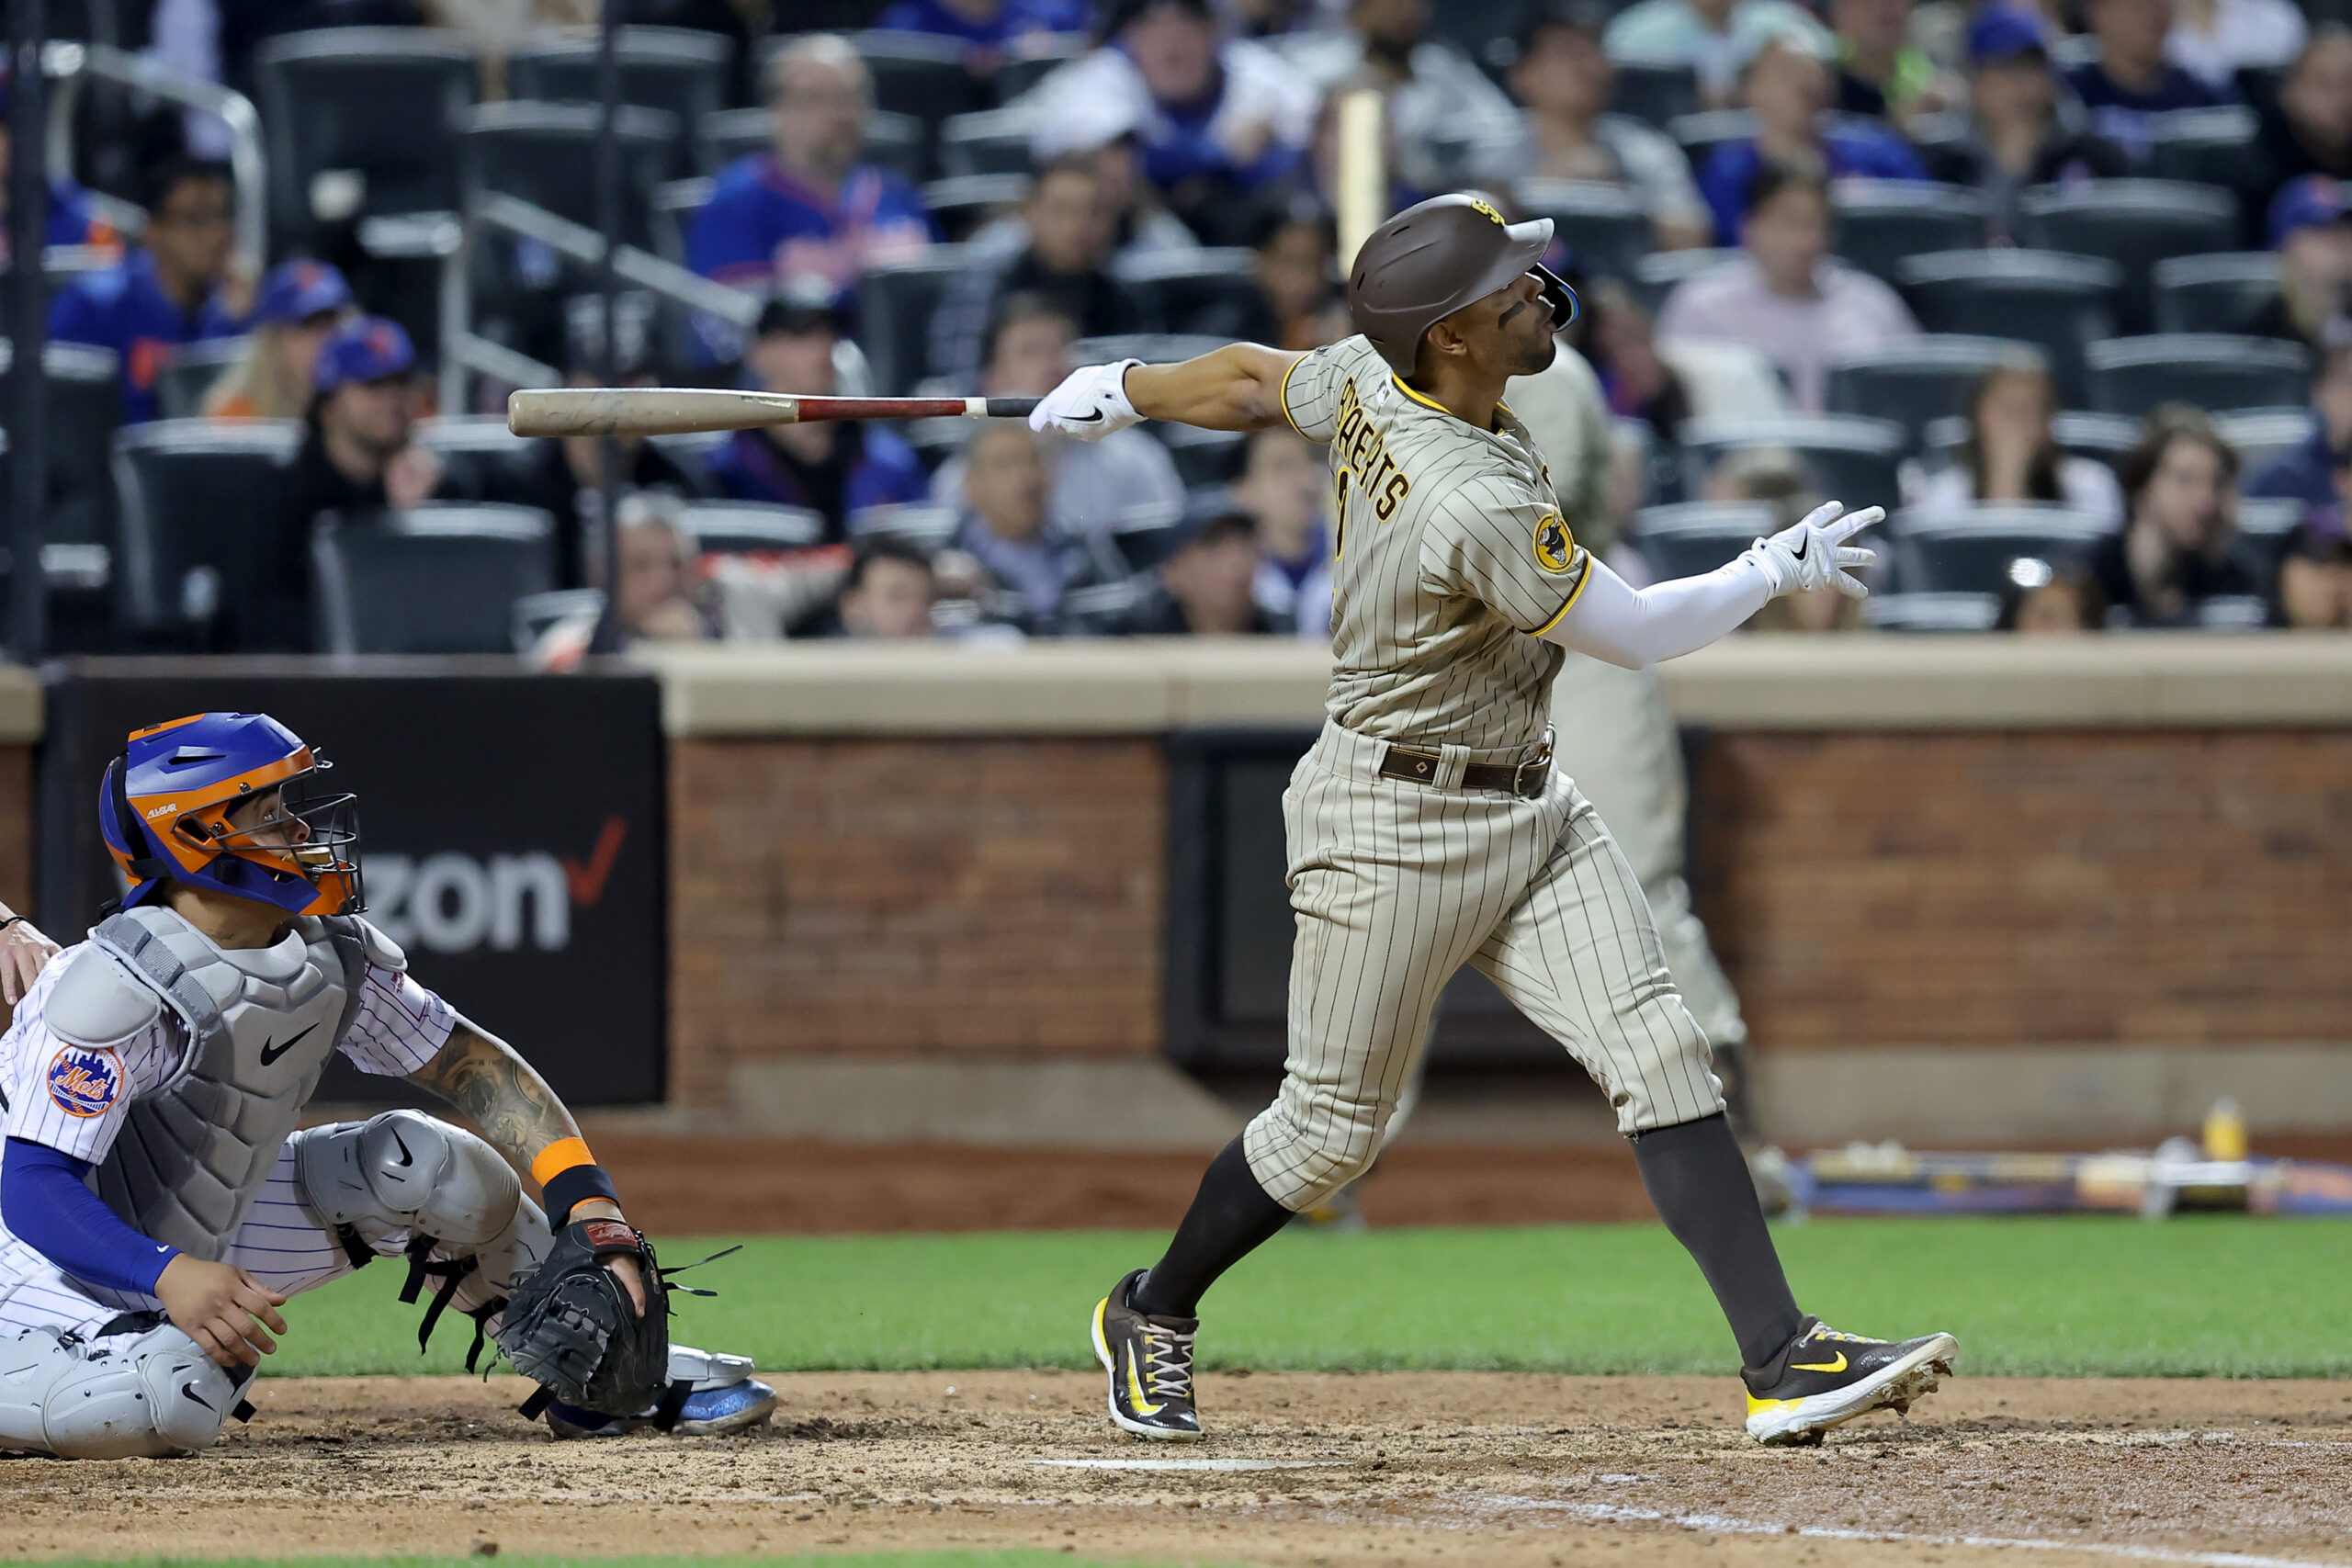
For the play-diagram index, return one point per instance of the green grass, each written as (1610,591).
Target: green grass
(2082,1296)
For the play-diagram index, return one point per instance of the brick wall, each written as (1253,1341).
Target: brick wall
(985,895)
(1987,888)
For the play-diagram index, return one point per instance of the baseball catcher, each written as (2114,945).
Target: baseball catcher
(157,1204)
(1428,827)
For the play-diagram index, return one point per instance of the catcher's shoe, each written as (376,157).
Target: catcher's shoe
(725,1398)
(1150,1363)
(1825,1378)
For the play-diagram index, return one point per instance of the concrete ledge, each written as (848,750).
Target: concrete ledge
(1857,683)
(1140,1105)
(2081,1095)
(20,705)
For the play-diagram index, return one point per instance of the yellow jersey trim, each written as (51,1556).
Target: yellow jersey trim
(1574,594)
(1283,397)
(1425,401)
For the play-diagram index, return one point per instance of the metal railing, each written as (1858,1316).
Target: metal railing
(69,63)
(463,350)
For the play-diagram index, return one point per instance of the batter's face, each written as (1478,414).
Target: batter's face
(1507,333)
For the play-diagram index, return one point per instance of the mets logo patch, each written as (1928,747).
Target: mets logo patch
(85,1080)
(1555,547)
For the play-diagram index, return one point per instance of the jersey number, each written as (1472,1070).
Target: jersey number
(1340,480)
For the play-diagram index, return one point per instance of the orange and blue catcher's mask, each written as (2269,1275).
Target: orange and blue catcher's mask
(164,805)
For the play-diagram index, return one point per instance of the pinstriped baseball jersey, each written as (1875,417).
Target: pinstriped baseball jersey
(1452,557)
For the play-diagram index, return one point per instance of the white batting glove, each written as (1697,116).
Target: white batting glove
(1814,555)
(1091,402)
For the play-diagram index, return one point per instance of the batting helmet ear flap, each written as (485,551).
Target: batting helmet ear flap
(125,835)
(1565,306)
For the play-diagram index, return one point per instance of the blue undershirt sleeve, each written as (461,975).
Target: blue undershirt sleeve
(44,1205)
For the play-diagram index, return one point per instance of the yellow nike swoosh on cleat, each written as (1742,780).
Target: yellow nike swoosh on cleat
(1136,1400)
(1837,1366)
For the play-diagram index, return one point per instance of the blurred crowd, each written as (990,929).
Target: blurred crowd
(1157,175)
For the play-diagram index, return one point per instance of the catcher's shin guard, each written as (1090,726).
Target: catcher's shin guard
(148,1392)
(405,1183)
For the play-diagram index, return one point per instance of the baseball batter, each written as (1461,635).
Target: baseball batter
(157,1205)
(1427,828)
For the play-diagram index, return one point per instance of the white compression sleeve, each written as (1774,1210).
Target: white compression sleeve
(1634,628)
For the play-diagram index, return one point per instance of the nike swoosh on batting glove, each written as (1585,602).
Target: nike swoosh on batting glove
(1091,402)
(1814,555)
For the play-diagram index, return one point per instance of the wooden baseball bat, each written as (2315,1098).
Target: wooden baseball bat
(675,410)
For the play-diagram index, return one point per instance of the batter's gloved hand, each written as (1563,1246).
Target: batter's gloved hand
(572,1328)
(1814,555)
(1091,402)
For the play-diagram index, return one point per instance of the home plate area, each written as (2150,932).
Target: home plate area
(1404,1467)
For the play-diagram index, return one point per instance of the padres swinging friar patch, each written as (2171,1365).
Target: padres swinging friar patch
(1555,546)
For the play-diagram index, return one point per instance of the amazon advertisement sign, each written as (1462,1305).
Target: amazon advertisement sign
(512,835)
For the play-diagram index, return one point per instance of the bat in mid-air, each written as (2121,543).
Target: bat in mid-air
(677,411)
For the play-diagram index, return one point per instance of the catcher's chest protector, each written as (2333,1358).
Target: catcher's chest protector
(261,1024)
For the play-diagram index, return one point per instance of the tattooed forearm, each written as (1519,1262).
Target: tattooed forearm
(498,1090)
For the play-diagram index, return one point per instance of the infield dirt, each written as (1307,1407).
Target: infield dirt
(1378,1467)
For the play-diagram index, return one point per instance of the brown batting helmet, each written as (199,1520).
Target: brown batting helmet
(1435,257)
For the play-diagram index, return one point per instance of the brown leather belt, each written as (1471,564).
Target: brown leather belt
(1420,765)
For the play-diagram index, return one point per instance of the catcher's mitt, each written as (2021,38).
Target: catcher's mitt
(571,1327)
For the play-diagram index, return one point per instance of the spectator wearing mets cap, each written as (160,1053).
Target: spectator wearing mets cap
(300,304)
(356,458)
(2014,133)
(2311,229)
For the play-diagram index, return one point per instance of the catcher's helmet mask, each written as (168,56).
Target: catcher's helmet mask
(316,873)
(1437,256)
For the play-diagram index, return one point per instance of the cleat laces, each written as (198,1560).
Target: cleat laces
(1167,1363)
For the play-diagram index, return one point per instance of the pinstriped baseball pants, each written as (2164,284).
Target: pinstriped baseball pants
(1396,886)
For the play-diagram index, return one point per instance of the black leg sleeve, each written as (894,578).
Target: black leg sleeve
(1699,1181)
(1231,1216)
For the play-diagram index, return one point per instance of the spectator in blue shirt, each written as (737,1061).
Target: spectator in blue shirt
(73,218)
(809,211)
(988,27)
(176,289)
(832,468)
(1787,89)
(2306,473)
(2131,79)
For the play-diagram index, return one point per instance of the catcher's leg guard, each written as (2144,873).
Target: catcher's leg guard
(403,1182)
(142,1394)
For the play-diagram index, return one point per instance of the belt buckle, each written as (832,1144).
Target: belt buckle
(1541,759)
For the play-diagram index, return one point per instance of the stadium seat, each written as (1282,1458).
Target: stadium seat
(546,154)
(441,578)
(1932,611)
(1033,59)
(1212,290)
(2214,147)
(2207,370)
(476,451)
(1606,228)
(1201,456)
(1917,380)
(1972,550)
(729,134)
(2266,522)
(670,214)
(915,74)
(382,103)
(894,308)
(1855,460)
(1697,537)
(191,563)
(919,523)
(2106,436)
(1658,91)
(1881,222)
(2061,303)
(750,527)
(536,614)
(1699,134)
(186,378)
(2220,293)
(84,405)
(1659,273)
(899,143)
(991,141)
(2258,435)
(2133,223)
(677,70)
(963,202)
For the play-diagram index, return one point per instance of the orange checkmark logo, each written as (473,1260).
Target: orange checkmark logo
(587,881)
